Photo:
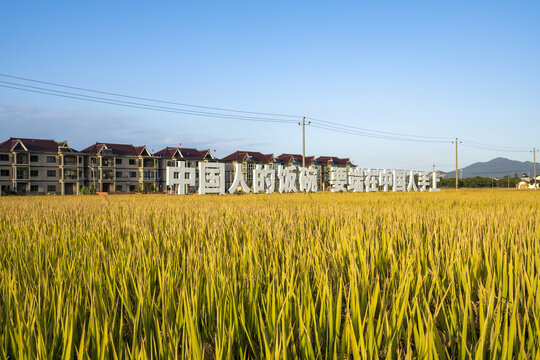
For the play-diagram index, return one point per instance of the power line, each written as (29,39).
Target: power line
(139,105)
(376,136)
(491,148)
(495,146)
(149,99)
(189,112)
(324,122)
(233,114)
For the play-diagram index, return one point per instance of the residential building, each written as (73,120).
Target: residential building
(248,159)
(170,156)
(34,166)
(120,168)
(325,163)
(296,159)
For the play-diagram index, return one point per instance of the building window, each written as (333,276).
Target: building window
(34,158)
(148,175)
(4,172)
(132,174)
(175,175)
(70,160)
(34,173)
(131,161)
(70,174)
(80,173)
(51,188)
(51,159)
(4,157)
(107,162)
(118,161)
(118,187)
(51,173)
(22,173)
(22,158)
(131,187)
(34,188)
(80,159)
(118,174)
(94,161)
(107,175)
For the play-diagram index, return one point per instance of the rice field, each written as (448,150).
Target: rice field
(320,276)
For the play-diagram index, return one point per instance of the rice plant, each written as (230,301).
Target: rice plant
(341,276)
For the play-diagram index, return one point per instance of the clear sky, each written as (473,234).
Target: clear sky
(450,69)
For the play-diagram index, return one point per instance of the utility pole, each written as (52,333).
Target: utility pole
(457,142)
(304,123)
(534,166)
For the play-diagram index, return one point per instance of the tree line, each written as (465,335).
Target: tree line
(480,182)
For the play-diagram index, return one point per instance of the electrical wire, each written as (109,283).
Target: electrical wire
(149,99)
(139,105)
(495,146)
(376,136)
(233,114)
(491,148)
(324,122)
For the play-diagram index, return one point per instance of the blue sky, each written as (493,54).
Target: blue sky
(449,69)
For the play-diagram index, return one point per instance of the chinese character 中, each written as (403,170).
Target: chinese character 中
(385,179)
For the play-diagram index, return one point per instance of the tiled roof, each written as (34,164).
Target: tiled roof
(194,154)
(115,149)
(254,156)
(332,160)
(186,153)
(167,153)
(33,144)
(295,158)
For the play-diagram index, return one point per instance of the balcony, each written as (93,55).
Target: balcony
(21,159)
(70,175)
(108,162)
(148,175)
(148,163)
(22,174)
(107,175)
(70,160)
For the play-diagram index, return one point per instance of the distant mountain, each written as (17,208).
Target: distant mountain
(498,167)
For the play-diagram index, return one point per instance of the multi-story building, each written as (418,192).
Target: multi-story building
(296,160)
(120,168)
(170,157)
(325,163)
(248,159)
(34,166)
